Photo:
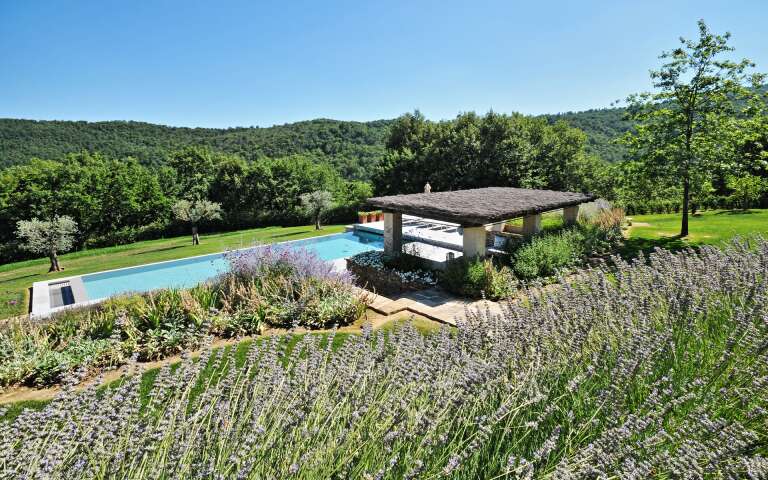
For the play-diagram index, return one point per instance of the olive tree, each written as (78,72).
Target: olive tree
(315,204)
(47,237)
(194,212)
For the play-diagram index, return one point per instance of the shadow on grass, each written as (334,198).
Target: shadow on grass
(20,277)
(633,246)
(155,250)
(736,212)
(290,234)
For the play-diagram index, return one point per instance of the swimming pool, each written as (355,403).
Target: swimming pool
(188,272)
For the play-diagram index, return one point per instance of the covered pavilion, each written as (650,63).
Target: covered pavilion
(475,211)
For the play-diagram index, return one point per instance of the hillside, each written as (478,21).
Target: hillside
(602,126)
(350,146)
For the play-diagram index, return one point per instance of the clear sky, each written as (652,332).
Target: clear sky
(249,62)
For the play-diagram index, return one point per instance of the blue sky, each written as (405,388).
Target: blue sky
(242,63)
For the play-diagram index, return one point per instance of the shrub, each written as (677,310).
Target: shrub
(476,278)
(286,287)
(546,255)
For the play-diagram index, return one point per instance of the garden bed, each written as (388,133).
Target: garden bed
(265,287)
(387,274)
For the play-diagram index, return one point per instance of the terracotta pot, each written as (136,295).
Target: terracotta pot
(380,217)
(371,217)
(362,218)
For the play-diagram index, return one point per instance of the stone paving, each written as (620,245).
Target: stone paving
(432,303)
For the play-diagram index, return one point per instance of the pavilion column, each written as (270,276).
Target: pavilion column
(473,240)
(531,224)
(393,232)
(570,215)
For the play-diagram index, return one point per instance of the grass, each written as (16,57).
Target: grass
(16,278)
(713,227)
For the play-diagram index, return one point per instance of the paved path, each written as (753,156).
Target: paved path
(432,303)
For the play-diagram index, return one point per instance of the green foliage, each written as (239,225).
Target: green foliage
(166,322)
(316,204)
(478,278)
(688,128)
(352,148)
(520,151)
(747,190)
(548,254)
(116,202)
(603,128)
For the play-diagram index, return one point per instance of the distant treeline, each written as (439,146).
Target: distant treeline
(352,148)
(122,201)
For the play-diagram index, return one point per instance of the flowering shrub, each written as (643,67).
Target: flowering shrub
(286,287)
(389,274)
(658,371)
(266,286)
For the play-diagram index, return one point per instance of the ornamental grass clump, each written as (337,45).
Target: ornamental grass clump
(657,369)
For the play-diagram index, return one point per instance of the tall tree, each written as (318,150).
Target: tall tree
(685,126)
(47,237)
(194,212)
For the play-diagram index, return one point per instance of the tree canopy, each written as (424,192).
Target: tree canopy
(687,128)
(475,151)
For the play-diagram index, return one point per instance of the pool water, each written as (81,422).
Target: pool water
(188,272)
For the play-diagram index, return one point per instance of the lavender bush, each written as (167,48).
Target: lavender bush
(267,286)
(290,287)
(655,370)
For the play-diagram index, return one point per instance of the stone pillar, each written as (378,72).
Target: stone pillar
(474,241)
(570,215)
(393,232)
(531,224)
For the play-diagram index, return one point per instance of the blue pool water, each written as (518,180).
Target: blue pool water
(188,272)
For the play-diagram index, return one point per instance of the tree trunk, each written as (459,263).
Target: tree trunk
(55,267)
(195,236)
(686,201)
(317,222)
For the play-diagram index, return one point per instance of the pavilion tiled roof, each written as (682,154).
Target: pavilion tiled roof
(479,206)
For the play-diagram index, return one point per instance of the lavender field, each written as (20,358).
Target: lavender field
(650,369)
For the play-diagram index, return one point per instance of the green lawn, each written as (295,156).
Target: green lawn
(708,228)
(16,278)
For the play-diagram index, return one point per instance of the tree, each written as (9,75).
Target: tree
(685,129)
(315,204)
(47,237)
(194,212)
(518,151)
(195,167)
(747,189)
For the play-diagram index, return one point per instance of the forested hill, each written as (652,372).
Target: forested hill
(603,127)
(352,147)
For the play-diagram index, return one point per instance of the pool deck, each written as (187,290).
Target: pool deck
(415,229)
